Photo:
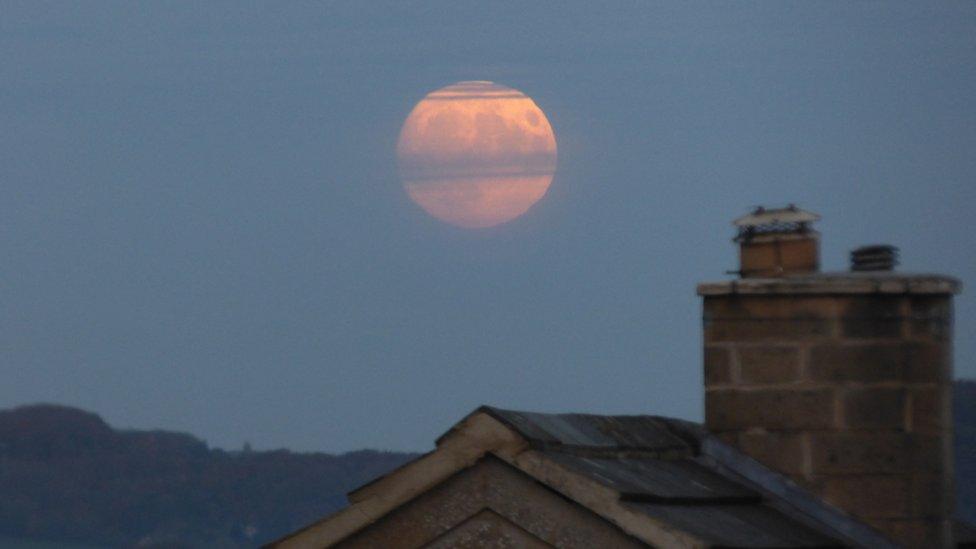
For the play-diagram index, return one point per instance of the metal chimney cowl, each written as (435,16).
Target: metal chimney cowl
(877,257)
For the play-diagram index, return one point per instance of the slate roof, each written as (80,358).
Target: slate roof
(665,469)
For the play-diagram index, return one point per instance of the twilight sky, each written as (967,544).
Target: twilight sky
(202,227)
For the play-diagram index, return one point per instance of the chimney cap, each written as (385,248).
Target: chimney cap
(761,216)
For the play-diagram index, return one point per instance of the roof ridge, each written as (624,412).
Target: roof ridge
(495,409)
(601,434)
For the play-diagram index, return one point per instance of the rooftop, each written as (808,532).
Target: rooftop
(661,481)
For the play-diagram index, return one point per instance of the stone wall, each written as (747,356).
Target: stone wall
(491,504)
(848,393)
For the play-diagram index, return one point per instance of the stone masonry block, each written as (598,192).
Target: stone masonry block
(930,318)
(774,409)
(931,409)
(857,362)
(769,364)
(738,307)
(759,330)
(880,408)
(930,329)
(878,362)
(930,306)
(928,362)
(931,496)
(879,496)
(783,452)
(872,328)
(718,366)
(859,453)
(933,454)
(863,452)
(873,317)
(916,532)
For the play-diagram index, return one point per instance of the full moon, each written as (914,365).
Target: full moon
(476,154)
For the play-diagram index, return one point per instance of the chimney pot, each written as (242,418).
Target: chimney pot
(776,242)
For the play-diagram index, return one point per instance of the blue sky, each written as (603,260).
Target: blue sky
(203,228)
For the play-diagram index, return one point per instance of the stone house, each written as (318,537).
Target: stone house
(827,424)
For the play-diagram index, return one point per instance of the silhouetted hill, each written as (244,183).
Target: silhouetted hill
(65,475)
(964,400)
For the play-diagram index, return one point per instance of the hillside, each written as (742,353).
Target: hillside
(69,478)
(65,475)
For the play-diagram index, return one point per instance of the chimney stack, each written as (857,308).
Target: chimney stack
(841,381)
